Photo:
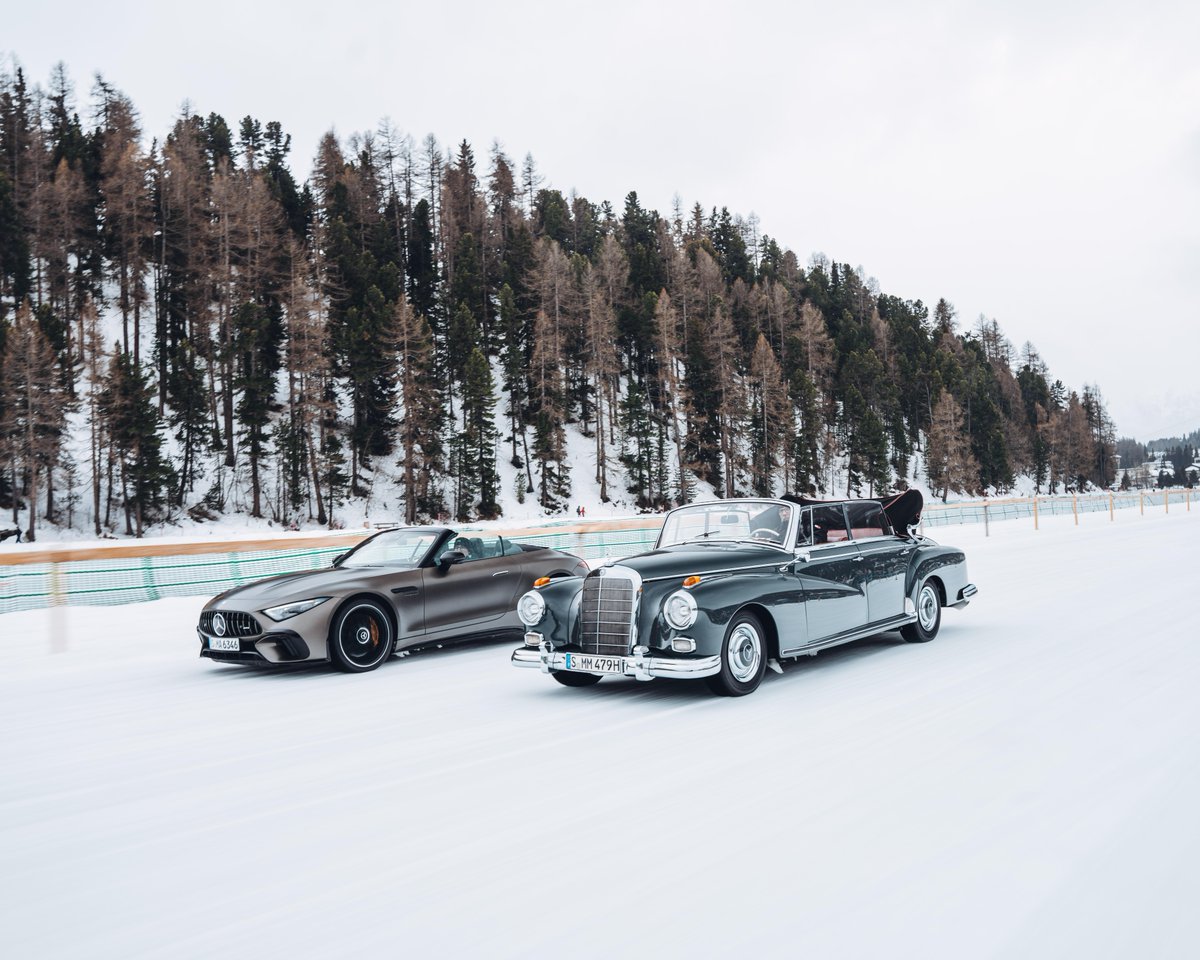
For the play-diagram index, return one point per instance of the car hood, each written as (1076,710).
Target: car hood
(686,559)
(288,587)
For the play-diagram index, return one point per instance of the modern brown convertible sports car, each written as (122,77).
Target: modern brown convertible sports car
(398,590)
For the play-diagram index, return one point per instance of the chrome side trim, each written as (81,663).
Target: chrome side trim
(638,665)
(861,633)
(717,573)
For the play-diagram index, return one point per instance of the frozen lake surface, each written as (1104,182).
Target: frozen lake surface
(1027,785)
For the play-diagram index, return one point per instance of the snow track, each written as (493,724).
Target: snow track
(1024,786)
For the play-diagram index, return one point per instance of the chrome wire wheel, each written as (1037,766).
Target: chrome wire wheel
(744,652)
(928,603)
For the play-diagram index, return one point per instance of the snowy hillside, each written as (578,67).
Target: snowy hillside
(1025,786)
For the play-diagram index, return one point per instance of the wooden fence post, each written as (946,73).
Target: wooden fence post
(1075,507)
(1142,503)
(1111,510)
(1035,518)
(58,610)
(1166,501)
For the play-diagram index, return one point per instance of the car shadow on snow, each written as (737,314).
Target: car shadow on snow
(618,689)
(448,652)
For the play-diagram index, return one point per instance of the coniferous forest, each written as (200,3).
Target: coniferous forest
(189,327)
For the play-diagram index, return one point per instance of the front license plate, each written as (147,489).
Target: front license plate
(590,664)
(231,644)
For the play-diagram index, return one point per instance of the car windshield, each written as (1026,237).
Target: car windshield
(759,520)
(395,548)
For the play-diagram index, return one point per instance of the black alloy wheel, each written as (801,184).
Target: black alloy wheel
(361,637)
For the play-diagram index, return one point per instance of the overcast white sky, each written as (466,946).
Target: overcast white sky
(1038,162)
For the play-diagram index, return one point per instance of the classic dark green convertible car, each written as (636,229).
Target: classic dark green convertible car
(733,586)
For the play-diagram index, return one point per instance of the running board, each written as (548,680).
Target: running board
(860,634)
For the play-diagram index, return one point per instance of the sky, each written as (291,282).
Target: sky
(1034,162)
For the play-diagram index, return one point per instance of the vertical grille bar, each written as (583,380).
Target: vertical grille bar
(237,623)
(606,613)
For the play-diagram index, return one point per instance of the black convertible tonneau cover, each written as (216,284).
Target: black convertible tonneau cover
(903,509)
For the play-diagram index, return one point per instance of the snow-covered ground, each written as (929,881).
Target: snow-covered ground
(1027,785)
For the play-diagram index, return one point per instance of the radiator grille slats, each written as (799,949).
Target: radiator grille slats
(606,615)
(237,623)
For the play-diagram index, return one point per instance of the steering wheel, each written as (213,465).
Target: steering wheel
(765,532)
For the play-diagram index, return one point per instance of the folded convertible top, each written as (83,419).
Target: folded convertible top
(903,509)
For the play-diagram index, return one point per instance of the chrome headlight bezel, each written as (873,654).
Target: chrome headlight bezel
(285,611)
(531,608)
(680,610)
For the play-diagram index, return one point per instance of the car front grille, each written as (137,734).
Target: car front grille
(607,611)
(237,624)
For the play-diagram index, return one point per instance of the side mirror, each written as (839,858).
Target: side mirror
(451,557)
(337,561)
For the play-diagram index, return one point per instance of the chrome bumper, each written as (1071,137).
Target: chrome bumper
(638,664)
(964,596)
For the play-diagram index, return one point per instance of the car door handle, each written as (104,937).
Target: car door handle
(500,573)
(405,591)
(857,560)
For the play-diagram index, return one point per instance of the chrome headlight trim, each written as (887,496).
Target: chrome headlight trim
(680,610)
(285,611)
(531,608)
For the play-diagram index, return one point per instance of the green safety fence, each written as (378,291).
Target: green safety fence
(103,582)
(984,511)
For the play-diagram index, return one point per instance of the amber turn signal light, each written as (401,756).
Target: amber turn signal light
(691,581)
(541,581)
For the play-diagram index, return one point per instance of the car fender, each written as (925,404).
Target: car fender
(563,597)
(947,564)
(718,601)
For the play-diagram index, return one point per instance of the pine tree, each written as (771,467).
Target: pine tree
(479,439)
(128,408)
(258,360)
(949,463)
(421,419)
(34,410)
(769,426)
(606,296)
(548,398)
(677,405)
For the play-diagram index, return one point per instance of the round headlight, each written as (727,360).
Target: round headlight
(680,610)
(531,608)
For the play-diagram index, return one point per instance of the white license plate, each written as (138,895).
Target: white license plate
(224,643)
(592,664)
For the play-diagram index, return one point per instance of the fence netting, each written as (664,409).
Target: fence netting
(103,582)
